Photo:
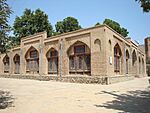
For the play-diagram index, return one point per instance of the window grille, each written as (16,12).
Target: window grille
(52,61)
(32,65)
(117,57)
(79,62)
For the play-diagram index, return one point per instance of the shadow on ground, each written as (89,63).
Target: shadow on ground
(6,99)
(133,102)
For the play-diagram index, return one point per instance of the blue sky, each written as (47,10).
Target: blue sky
(126,12)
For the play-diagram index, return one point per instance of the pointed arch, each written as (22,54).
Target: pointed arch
(127,61)
(117,58)
(6,64)
(16,60)
(134,63)
(134,58)
(32,60)
(78,45)
(6,58)
(32,53)
(52,57)
(79,58)
(51,52)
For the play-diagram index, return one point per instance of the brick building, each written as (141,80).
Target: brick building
(147,52)
(96,52)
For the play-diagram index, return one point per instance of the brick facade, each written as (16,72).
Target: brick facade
(99,42)
(147,52)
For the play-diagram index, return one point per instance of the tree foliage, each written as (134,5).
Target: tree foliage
(116,26)
(145,4)
(67,25)
(31,22)
(97,24)
(5,12)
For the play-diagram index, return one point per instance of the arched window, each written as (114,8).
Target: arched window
(17,64)
(134,58)
(79,58)
(32,59)
(117,58)
(6,64)
(127,61)
(52,57)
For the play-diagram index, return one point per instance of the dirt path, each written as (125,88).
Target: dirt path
(33,96)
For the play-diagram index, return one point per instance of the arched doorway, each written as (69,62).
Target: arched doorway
(17,64)
(32,61)
(127,62)
(117,59)
(79,58)
(52,57)
(6,64)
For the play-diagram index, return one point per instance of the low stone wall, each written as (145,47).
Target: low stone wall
(115,79)
(74,79)
(87,80)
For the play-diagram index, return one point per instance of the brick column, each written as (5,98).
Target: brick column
(40,60)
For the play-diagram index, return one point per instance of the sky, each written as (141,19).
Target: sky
(127,13)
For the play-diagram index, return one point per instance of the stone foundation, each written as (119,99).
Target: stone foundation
(74,79)
(116,79)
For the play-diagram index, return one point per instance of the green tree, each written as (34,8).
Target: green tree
(59,27)
(97,24)
(5,12)
(13,42)
(67,25)
(31,22)
(145,4)
(116,26)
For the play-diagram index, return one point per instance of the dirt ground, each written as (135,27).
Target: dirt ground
(31,96)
